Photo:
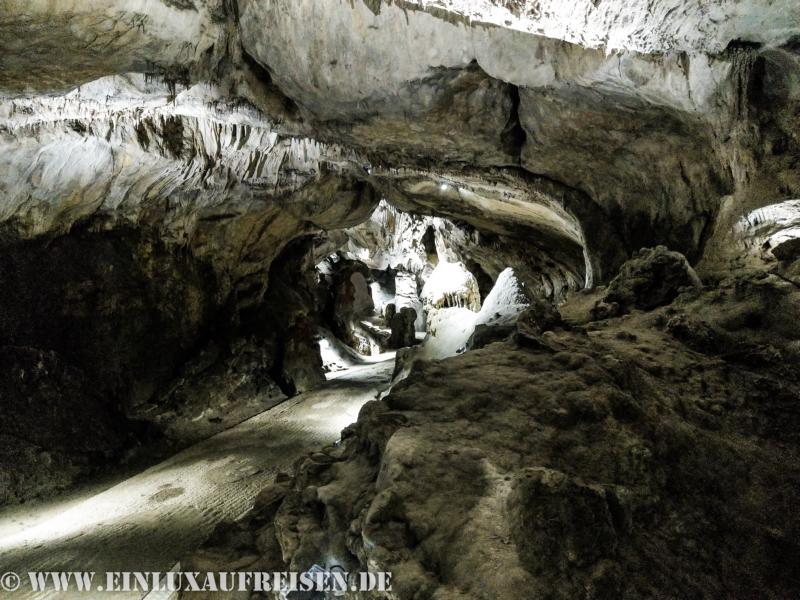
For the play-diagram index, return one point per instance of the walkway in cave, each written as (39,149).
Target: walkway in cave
(147,522)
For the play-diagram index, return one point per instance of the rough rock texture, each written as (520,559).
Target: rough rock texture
(113,314)
(625,458)
(766,234)
(215,390)
(537,318)
(417,243)
(56,424)
(654,277)
(93,39)
(153,342)
(209,174)
(160,158)
(121,305)
(451,285)
(139,223)
(602,126)
(289,317)
(139,343)
(699,107)
(499,106)
(456,329)
(402,326)
(348,301)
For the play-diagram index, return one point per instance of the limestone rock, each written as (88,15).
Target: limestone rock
(172,170)
(451,285)
(539,317)
(612,464)
(418,244)
(483,335)
(289,315)
(788,250)
(58,427)
(302,363)
(652,278)
(350,303)
(558,523)
(403,330)
(215,391)
(390,312)
(522,316)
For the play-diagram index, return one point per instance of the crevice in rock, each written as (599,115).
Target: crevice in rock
(288,106)
(513,135)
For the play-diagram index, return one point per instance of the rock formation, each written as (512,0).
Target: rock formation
(648,455)
(402,326)
(588,209)
(653,278)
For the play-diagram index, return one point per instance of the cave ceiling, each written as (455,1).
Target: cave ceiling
(585,130)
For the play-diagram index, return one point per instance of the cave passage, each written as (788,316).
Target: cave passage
(500,298)
(149,521)
(426,283)
(255,394)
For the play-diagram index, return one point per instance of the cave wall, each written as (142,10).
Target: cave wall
(119,305)
(415,243)
(92,325)
(134,243)
(158,158)
(654,131)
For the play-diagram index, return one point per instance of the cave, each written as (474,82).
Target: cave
(402,300)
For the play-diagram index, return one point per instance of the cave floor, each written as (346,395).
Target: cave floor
(149,521)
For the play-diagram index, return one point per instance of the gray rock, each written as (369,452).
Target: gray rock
(609,467)
(488,334)
(652,278)
(402,326)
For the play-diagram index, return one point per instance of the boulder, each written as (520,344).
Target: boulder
(539,317)
(652,278)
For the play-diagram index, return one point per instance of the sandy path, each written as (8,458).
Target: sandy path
(147,522)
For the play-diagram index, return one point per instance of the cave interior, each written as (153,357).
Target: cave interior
(501,297)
